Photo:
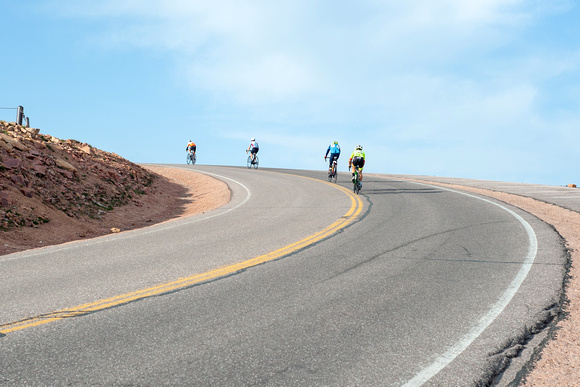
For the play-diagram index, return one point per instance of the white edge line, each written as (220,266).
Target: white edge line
(443,360)
(131,233)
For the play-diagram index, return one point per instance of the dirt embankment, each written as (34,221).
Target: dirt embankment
(54,191)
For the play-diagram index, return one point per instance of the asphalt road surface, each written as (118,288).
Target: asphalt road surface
(296,281)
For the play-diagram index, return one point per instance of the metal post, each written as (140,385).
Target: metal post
(27,122)
(19,115)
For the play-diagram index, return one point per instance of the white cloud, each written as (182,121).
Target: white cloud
(444,75)
(258,51)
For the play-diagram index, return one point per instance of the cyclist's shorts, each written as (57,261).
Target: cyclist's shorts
(332,157)
(254,150)
(192,148)
(358,162)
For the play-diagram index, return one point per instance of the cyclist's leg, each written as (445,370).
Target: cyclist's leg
(362,165)
(333,158)
(358,165)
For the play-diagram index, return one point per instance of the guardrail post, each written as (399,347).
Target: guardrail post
(19,115)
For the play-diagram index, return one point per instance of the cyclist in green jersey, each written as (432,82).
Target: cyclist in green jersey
(357,160)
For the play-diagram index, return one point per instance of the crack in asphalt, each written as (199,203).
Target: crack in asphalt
(426,258)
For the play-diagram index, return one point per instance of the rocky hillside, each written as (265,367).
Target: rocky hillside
(40,172)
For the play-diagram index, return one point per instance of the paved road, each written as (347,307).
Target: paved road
(421,286)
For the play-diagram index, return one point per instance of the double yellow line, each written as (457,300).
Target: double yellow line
(80,310)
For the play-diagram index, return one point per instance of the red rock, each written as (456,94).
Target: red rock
(27,192)
(68,174)
(115,175)
(18,180)
(12,163)
(4,199)
(39,170)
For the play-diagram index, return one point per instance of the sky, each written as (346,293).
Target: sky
(480,89)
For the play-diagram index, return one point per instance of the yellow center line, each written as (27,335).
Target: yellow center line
(181,283)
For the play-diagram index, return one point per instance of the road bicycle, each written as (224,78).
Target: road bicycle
(357,185)
(332,174)
(253,163)
(191,158)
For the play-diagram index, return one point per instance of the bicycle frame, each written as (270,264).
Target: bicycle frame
(332,172)
(356,183)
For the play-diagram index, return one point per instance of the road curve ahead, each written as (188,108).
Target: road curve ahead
(403,284)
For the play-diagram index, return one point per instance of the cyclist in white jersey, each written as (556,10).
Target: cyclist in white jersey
(253,149)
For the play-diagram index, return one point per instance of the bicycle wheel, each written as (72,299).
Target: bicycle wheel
(249,162)
(256,161)
(193,159)
(334,177)
(188,159)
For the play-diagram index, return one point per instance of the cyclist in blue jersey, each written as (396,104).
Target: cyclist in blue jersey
(334,150)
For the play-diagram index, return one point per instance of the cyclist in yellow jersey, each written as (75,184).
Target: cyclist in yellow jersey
(357,160)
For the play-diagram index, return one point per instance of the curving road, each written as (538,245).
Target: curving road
(294,282)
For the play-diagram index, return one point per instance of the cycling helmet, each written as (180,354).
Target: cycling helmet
(336,142)
(253,139)
(358,147)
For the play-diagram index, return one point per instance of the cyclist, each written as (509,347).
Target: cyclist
(191,148)
(334,150)
(253,149)
(357,161)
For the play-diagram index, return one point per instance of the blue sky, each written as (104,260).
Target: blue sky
(483,89)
